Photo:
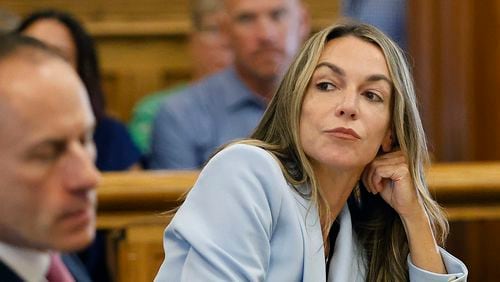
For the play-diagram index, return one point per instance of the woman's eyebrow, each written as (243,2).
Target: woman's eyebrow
(332,67)
(338,70)
(379,77)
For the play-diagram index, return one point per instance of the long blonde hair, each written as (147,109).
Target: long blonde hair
(378,227)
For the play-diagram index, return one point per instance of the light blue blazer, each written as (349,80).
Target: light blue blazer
(242,221)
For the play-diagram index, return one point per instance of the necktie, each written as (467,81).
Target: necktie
(58,271)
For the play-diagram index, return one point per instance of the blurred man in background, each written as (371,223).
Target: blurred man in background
(264,36)
(210,52)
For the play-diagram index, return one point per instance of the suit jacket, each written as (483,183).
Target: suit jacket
(76,267)
(72,262)
(243,221)
(7,274)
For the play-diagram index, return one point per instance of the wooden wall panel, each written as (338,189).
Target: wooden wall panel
(456,54)
(439,44)
(486,15)
(140,253)
(476,244)
(113,12)
(109,10)
(136,66)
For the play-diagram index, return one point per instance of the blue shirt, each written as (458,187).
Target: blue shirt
(192,123)
(387,15)
(115,148)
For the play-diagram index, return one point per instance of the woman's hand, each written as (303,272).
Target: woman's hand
(390,176)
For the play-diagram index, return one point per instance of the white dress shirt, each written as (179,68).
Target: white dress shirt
(31,265)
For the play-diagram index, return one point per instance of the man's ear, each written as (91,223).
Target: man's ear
(387,142)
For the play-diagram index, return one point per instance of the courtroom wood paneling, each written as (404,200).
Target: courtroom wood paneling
(486,15)
(136,66)
(476,244)
(440,41)
(140,252)
(128,17)
(456,53)
(107,11)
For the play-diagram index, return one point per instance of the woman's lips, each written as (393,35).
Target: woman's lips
(344,133)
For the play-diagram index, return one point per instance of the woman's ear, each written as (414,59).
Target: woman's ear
(387,142)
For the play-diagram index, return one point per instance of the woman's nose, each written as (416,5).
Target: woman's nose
(347,106)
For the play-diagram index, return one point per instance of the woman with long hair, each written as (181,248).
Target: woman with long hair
(331,184)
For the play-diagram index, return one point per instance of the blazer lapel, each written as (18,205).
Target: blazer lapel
(314,259)
(346,263)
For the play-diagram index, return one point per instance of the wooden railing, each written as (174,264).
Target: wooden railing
(466,190)
(135,197)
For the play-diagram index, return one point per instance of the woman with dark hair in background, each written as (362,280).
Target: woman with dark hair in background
(115,149)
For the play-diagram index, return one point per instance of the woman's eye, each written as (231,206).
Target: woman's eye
(325,86)
(372,96)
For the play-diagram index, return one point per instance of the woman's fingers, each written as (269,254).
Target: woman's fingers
(383,170)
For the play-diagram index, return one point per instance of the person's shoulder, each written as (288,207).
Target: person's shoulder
(199,99)
(188,97)
(110,133)
(206,88)
(247,159)
(110,125)
(245,173)
(155,98)
(217,79)
(245,151)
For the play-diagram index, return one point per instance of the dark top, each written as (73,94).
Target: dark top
(115,149)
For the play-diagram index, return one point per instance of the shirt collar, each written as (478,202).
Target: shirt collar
(236,93)
(29,264)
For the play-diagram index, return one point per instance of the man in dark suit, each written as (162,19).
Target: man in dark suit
(47,172)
